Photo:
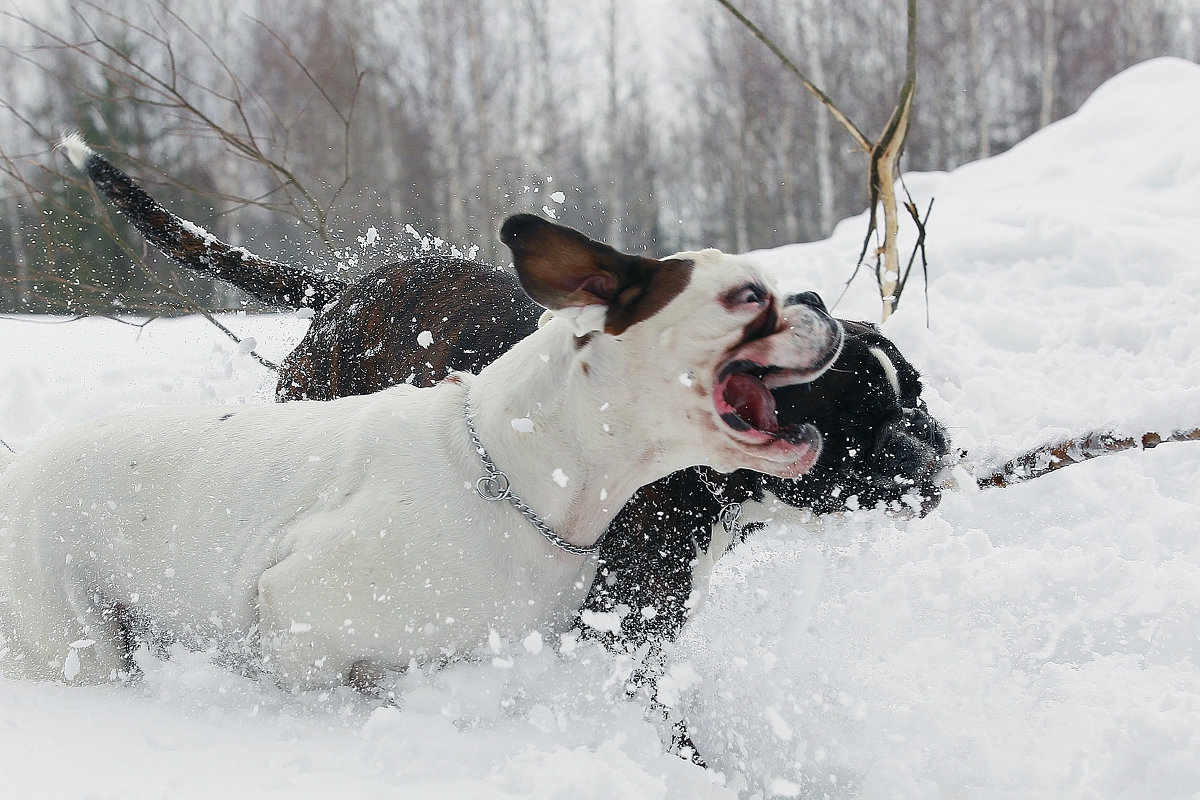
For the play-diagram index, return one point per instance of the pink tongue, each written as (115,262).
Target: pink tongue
(752,401)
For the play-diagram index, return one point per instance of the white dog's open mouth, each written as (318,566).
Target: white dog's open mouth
(745,404)
(742,392)
(771,357)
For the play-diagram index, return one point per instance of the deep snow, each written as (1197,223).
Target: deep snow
(1041,641)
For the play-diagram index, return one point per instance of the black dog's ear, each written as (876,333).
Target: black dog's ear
(559,267)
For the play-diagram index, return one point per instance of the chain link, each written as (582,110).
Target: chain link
(731,512)
(495,486)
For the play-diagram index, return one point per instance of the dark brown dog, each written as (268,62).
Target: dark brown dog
(417,320)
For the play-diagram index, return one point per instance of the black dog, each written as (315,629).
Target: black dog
(880,444)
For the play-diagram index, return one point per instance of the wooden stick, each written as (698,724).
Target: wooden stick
(1051,457)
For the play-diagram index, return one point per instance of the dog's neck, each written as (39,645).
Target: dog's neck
(566,444)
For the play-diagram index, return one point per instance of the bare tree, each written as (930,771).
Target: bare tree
(124,72)
(294,129)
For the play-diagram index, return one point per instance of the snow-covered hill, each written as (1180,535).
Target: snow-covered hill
(1041,641)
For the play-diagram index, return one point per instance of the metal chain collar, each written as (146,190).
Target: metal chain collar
(495,486)
(731,512)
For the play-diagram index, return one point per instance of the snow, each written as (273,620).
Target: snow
(1041,641)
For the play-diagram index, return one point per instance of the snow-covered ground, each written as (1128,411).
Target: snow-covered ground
(1040,641)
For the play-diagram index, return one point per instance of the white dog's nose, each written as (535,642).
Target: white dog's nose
(808,299)
(814,337)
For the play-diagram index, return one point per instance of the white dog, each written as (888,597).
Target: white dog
(363,533)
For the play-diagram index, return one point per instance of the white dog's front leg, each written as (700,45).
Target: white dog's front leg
(61,631)
(296,646)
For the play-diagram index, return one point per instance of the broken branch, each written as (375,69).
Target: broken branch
(1052,457)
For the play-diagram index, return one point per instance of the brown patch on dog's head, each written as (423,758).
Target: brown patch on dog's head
(559,267)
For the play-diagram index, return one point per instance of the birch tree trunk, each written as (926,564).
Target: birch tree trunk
(609,189)
(1049,63)
(813,27)
(983,119)
(12,212)
(477,58)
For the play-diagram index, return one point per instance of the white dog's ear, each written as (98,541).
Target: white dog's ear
(560,268)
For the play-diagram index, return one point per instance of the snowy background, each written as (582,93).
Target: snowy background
(1040,641)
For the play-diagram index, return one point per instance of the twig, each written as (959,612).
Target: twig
(918,248)
(167,93)
(884,156)
(265,362)
(1051,457)
(192,306)
(884,170)
(845,122)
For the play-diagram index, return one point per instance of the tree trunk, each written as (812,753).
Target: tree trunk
(20,252)
(613,208)
(547,105)
(488,172)
(979,81)
(1049,63)
(813,29)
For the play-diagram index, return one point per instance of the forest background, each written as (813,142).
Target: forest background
(353,133)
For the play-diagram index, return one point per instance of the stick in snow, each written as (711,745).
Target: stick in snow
(1051,457)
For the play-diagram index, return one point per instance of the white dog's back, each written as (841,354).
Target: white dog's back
(172,531)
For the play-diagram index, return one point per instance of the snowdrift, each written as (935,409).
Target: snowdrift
(1037,641)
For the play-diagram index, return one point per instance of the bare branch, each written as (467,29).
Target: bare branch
(859,137)
(918,249)
(1052,457)
(90,48)
(171,96)
(883,170)
(168,288)
(271,365)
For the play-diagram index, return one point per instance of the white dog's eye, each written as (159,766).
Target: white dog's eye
(750,294)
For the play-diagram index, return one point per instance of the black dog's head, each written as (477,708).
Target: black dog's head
(881,444)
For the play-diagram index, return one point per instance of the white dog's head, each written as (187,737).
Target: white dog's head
(697,341)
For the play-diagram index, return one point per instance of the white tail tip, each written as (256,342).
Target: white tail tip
(77,149)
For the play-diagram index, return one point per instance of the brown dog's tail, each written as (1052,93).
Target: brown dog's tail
(271,282)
